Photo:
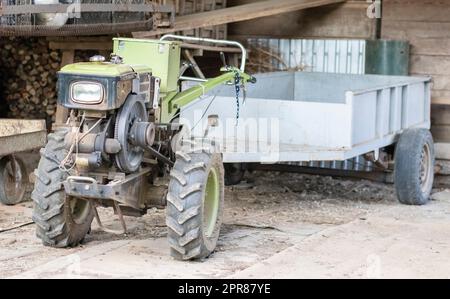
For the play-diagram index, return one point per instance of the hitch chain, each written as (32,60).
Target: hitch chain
(237,85)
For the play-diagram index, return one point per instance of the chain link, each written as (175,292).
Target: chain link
(239,85)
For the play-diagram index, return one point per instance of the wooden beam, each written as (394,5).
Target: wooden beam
(62,113)
(440,101)
(62,45)
(197,71)
(343,20)
(236,14)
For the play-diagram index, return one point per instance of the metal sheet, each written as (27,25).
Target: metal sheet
(330,56)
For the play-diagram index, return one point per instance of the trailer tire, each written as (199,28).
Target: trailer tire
(414,167)
(12,185)
(195,203)
(61,221)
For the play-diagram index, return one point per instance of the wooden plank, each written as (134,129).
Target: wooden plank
(413,10)
(345,20)
(410,30)
(197,71)
(441,133)
(442,151)
(441,82)
(62,113)
(430,46)
(441,97)
(236,14)
(440,101)
(430,65)
(440,115)
(81,45)
(11,127)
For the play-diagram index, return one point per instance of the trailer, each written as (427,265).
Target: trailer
(301,117)
(17,136)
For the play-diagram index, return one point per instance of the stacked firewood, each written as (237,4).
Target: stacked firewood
(28,70)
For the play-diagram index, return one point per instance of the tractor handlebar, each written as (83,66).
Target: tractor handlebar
(213,41)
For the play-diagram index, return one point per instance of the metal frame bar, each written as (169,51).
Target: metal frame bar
(78,7)
(212,41)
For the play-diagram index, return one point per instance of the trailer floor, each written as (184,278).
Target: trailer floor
(285,226)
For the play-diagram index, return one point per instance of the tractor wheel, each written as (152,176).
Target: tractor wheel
(61,221)
(414,167)
(195,205)
(12,180)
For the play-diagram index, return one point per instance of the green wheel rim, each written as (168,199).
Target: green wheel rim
(211,202)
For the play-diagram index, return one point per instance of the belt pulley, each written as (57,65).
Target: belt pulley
(131,115)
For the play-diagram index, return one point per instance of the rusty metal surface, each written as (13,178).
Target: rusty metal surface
(75,29)
(84,7)
(21,135)
(129,191)
(21,19)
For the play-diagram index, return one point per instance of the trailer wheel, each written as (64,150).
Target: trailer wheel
(195,205)
(234,173)
(61,221)
(12,180)
(414,167)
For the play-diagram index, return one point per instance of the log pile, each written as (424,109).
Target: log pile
(28,77)
(28,71)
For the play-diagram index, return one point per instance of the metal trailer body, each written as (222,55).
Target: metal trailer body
(17,135)
(303,117)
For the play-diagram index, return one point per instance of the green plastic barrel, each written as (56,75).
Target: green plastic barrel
(387,57)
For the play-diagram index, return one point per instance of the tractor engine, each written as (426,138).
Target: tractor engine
(111,105)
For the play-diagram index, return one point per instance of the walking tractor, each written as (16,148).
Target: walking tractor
(136,119)
(122,134)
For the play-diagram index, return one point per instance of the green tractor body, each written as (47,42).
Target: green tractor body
(119,140)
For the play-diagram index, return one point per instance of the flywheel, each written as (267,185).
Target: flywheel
(133,111)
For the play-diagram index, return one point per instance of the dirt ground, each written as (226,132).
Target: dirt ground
(276,226)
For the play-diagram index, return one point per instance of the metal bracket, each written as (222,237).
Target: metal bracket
(124,191)
(156,92)
(122,221)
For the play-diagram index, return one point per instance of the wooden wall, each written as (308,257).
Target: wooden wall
(426,24)
(188,7)
(346,20)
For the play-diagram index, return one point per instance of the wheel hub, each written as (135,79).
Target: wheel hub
(13,180)
(426,169)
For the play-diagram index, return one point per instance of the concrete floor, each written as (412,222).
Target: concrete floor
(285,226)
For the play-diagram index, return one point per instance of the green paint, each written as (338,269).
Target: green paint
(97,69)
(141,68)
(211,202)
(162,56)
(173,102)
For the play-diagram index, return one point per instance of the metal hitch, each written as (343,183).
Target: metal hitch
(127,191)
